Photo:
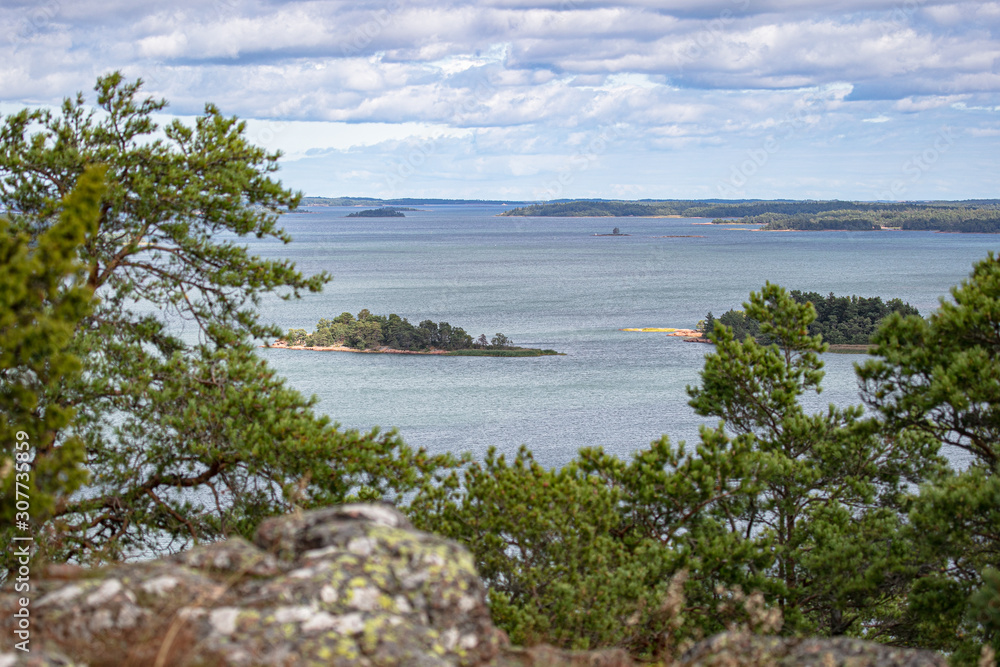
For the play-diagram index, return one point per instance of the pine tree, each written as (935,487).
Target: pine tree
(43,298)
(938,380)
(825,501)
(189,436)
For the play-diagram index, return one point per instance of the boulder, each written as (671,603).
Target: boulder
(349,585)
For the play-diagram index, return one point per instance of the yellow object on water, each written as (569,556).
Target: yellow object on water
(650,330)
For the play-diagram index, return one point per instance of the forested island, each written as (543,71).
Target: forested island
(842,320)
(385,212)
(395,334)
(964,216)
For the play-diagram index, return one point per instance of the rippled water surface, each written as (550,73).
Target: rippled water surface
(550,282)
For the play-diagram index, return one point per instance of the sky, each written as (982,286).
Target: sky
(553,99)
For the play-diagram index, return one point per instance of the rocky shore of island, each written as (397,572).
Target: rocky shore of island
(689,335)
(283,345)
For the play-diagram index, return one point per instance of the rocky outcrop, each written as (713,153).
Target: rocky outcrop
(349,585)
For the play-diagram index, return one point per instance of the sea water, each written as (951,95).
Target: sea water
(562,283)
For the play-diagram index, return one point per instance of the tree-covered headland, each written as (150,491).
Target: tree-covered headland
(135,412)
(395,333)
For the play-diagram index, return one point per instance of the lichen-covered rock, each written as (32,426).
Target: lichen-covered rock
(735,649)
(350,585)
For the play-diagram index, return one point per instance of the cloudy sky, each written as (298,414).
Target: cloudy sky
(545,99)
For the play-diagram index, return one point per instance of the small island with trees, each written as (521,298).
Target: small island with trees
(384,212)
(847,323)
(393,334)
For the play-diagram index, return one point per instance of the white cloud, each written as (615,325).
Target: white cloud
(515,87)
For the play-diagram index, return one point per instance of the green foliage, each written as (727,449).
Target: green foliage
(939,380)
(808,510)
(43,296)
(951,218)
(841,320)
(386,212)
(707,325)
(941,376)
(850,320)
(597,553)
(369,332)
(588,209)
(827,494)
(501,341)
(740,323)
(984,607)
(543,544)
(705,208)
(971,216)
(188,436)
(848,220)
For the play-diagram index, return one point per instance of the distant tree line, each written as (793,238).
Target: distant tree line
(594,209)
(842,320)
(968,216)
(404,201)
(971,218)
(691,208)
(368,331)
(855,221)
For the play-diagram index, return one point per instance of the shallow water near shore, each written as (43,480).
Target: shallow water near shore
(551,283)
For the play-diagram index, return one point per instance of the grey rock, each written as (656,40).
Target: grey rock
(348,585)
